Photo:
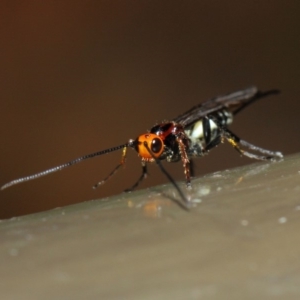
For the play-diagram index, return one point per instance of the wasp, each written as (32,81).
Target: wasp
(190,135)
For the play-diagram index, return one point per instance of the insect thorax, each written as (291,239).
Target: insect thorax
(199,136)
(170,132)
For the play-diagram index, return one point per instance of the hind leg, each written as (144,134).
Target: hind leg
(238,143)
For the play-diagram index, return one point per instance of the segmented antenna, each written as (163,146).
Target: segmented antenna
(65,165)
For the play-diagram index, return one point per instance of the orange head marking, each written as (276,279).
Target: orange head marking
(154,143)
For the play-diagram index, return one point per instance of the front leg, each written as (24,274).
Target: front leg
(141,178)
(185,160)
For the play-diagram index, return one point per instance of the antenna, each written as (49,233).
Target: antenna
(65,165)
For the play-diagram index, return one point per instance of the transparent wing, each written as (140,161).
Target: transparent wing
(234,101)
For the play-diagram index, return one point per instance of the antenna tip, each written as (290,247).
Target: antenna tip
(3,187)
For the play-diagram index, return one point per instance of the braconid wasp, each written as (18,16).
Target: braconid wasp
(192,134)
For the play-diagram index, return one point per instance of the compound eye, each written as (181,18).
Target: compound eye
(149,142)
(156,145)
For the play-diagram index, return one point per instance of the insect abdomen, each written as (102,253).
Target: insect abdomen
(205,131)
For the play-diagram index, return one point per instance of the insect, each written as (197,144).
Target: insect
(190,135)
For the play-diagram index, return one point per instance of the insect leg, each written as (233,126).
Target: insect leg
(142,177)
(236,143)
(275,154)
(185,161)
(114,171)
(186,203)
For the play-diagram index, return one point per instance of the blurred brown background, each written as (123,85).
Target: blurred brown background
(81,76)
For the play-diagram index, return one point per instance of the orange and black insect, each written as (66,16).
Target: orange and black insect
(188,136)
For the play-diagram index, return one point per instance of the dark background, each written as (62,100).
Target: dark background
(81,76)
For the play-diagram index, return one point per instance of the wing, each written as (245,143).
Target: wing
(234,101)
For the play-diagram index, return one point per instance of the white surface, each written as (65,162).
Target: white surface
(240,241)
